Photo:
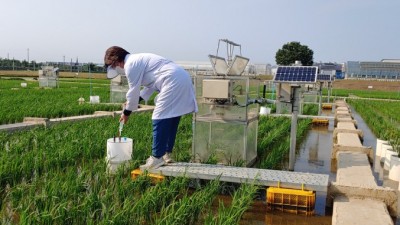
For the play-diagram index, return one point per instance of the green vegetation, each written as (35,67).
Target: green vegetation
(363,93)
(310,109)
(24,65)
(57,176)
(241,201)
(32,101)
(274,141)
(382,117)
(292,51)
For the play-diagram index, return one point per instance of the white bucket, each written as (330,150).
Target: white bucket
(95,99)
(113,165)
(394,171)
(378,148)
(119,151)
(24,84)
(388,156)
(265,111)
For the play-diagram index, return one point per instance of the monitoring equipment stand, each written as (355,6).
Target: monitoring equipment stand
(290,80)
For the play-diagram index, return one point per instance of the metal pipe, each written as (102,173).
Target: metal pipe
(320,99)
(293,127)
(293,131)
(329,91)
(264,90)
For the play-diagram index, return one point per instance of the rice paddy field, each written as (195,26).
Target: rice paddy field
(18,102)
(57,174)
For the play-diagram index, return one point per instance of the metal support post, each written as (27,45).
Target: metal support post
(320,98)
(329,91)
(293,127)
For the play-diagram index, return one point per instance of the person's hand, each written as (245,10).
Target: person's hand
(124,118)
(123,105)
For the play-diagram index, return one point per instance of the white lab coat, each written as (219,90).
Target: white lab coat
(176,95)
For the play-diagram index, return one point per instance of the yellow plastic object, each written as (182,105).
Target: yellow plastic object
(320,122)
(291,200)
(326,106)
(155,178)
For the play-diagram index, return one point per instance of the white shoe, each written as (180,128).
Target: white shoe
(152,163)
(167,158)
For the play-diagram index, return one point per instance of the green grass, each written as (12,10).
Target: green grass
(33,101)
(363,93)
(56,175)
(382,117)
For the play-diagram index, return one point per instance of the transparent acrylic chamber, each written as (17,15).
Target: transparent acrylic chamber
(225,127)
(48,76)
(118,89)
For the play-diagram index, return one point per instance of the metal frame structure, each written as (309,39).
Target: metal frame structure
(294,76)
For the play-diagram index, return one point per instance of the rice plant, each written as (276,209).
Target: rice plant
(382,118)
(187,209)
(232,214)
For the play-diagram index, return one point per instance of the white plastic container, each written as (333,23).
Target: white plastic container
(113,165)
(378,148)
(265,110)
(394,171)
(385,147)
(24,84)
(119,151)
(95,99)
(388,156)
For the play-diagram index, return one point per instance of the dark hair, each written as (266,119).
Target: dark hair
(114,54)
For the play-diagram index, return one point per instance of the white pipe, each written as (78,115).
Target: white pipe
(385,147)
(394,171)
(378,148)
(388,156)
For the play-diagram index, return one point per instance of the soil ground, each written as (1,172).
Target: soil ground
(363,85)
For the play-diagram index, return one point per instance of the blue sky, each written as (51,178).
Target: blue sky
(188,30)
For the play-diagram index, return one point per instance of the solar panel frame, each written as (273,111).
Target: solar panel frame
(238,65)
(219,65)
(296,74)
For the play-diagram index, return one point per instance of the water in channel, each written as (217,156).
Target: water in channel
(381,175)
(313,156)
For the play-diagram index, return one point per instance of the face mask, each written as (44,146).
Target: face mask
(120,70)
(111,73)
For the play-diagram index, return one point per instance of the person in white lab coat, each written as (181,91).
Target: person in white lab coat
(175,97)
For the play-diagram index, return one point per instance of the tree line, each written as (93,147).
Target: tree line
(287,55)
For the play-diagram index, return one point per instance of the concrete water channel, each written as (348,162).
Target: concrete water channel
(314,156)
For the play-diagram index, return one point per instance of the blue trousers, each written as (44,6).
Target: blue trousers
(164,134)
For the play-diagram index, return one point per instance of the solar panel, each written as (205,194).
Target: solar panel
(238,65)
(219,65)
(296,74)
(324,77)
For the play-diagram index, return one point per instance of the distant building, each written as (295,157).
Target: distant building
(334,69)
(386,69)
(197,67)
(205,68)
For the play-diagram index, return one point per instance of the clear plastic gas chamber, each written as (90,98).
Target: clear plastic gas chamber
(225,127)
